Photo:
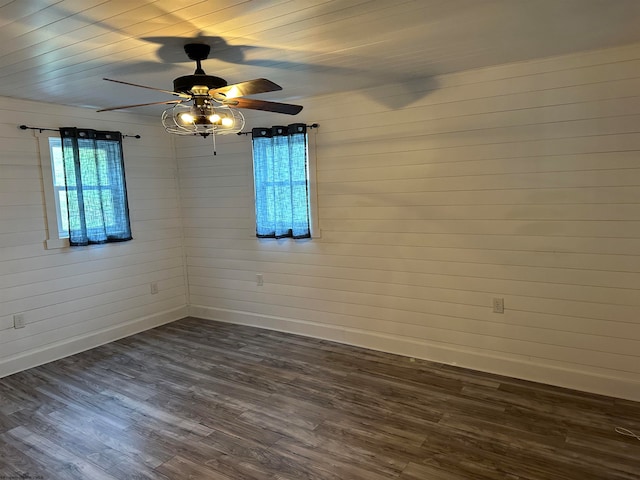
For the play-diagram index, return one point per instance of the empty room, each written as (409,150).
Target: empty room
(320,240)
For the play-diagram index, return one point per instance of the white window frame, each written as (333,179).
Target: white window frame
(312,186)
(55,238)
(312,195)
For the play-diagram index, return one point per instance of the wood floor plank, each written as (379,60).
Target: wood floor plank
(92,427)
(423,472)
(120,463)
(15,462)
(526,454)
(62,463)
(179,467)
(316,461)
(209,400)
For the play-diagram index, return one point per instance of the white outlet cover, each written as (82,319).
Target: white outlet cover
(18,320)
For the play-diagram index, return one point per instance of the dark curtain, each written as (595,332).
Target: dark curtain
(95,186)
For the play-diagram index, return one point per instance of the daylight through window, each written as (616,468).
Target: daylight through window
(281,181)
(89,186)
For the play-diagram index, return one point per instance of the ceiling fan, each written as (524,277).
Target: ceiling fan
(207,104)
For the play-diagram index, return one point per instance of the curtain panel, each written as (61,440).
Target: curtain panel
(280,178)
(95,186)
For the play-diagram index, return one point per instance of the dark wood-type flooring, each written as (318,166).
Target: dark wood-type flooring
(206,400)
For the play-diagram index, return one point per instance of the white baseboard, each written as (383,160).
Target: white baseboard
(75,345)
(552,375)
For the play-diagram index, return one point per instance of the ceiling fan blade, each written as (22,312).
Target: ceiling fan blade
(254,104)
(140,105)
(242,89)
(177,94)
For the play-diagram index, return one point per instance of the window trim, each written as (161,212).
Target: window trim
(312,185)
(53,240)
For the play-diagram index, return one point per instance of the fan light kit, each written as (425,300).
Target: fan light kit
(189,120)
(207,105)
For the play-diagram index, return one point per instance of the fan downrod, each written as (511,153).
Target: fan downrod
(197,52)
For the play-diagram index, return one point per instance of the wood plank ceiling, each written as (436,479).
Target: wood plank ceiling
(58,51)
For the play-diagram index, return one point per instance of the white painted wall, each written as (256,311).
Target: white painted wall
(519,181)
(77,298)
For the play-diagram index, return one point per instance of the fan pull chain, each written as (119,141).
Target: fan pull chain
(213,135)
(627,433)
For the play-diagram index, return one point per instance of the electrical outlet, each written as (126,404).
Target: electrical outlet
(498,305)
(259,279)
(18,320)
(154,288)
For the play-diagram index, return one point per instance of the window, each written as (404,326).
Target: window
(51,164)
(85,188)
(59,189)
(283,190)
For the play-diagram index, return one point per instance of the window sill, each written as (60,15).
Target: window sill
(55,243)
(314,236)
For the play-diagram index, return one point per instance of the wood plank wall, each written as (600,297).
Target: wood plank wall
(76,298)
(519,181)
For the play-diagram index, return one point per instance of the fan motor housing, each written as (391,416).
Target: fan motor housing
(186,83)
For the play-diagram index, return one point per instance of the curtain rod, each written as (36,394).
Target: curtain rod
(40,129)
(312,126)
